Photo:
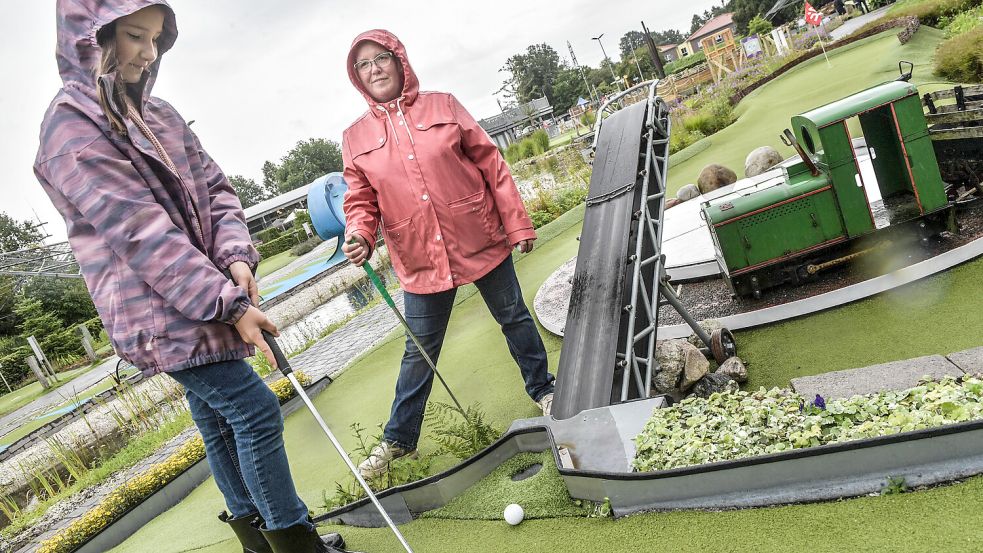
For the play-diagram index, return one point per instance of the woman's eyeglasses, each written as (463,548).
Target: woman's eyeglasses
(381,61)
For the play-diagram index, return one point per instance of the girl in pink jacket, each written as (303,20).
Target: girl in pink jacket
(154,223)
(419,166)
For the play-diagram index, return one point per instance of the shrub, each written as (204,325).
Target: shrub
(540,218)
(683,64)
(960,58)
(541,139)
(301,217)
(270,234)
(306,246)
(588,119)
(934,12)
(281,244)
(714,115)
(527,149)
(759,26)
(512,153)
(962,22)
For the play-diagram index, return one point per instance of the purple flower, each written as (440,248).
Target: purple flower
(819,402)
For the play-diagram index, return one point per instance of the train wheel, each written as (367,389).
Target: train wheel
(722,345)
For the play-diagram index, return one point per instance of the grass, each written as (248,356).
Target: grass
(477,366)
(136,450)
(22,396)
(542,495)
(34,424)
(273,263)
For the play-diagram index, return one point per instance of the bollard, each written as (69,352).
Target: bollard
(32,362)
(90,352)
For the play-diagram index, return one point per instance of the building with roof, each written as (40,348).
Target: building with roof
(713,28)
(504,128)
(669,52)
(275,211)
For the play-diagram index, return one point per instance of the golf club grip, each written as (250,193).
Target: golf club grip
(281,360)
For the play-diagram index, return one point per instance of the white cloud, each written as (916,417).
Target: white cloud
(258,76)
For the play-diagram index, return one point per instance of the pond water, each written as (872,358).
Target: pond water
(346,303)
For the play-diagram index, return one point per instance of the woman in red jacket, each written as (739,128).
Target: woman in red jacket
(450,214)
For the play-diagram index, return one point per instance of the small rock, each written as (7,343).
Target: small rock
(761,160)
(673,202)
(671,357)
(715,176)
(697,366)
(709,325)
(713,383)
(688,192)
(734,368)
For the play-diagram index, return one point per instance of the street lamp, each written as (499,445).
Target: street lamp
(634,54)
(613,76)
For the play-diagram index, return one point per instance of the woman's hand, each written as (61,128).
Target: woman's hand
(356,249)
(242,275)
(525,246)
(251,326)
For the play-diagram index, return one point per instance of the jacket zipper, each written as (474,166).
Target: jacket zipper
(139,122)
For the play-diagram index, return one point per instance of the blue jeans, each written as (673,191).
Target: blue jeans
(239,418)
(427,316)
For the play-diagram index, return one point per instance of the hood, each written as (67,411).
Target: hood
(78,53)
(411,86)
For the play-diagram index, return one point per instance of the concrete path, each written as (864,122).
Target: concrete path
(12,420)
(856,23)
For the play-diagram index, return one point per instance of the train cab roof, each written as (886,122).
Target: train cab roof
(858,103)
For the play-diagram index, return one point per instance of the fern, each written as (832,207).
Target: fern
(459,434)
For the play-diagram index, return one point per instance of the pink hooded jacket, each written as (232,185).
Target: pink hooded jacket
(151,240)
(450,210)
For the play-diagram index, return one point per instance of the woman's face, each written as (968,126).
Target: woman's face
(136,42)
(381,76)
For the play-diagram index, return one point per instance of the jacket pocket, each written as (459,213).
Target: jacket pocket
(406,245)
(472,220)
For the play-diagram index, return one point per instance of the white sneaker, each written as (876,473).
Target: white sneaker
(381,456)
(546,404)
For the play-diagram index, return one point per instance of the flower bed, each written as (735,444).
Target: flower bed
(737,425)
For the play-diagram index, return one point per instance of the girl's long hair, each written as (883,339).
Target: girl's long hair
(109,64)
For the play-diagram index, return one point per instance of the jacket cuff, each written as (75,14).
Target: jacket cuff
(519,235)
(369,238)
(250,258)
(239,308)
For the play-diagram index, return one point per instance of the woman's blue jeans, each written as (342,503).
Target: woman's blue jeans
(239,418)
(427,316)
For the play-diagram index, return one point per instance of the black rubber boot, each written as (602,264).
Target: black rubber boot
(300,539)
(252,540)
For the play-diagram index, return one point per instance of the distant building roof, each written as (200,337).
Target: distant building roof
(273,204)
(665,47)
(513,115)
(717,23)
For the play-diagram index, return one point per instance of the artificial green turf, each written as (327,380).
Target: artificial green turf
(477,366)
(274,262)
(937,315)
(939,520)
(542,495)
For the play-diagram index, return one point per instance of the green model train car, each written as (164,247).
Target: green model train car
(778,228)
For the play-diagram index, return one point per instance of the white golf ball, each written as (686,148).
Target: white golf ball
(514,514)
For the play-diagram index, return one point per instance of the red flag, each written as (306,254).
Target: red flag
(812,16)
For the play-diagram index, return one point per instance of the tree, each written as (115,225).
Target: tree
(305,162)
(67,299)
(248,191)
(532,73)
(15,235)
(746,10)
(632,40)
(568,87)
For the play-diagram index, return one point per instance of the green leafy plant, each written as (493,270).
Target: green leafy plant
(895,485)
(745,424)
(960,58)
(459,434)
(759,26)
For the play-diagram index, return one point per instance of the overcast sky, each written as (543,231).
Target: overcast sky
(258,76)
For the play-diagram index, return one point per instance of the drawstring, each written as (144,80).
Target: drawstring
(393,127)
(399,111)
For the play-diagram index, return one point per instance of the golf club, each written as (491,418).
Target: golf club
(284,366)
(385,295)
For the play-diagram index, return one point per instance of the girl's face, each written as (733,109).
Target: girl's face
(136,42)
(379,72)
